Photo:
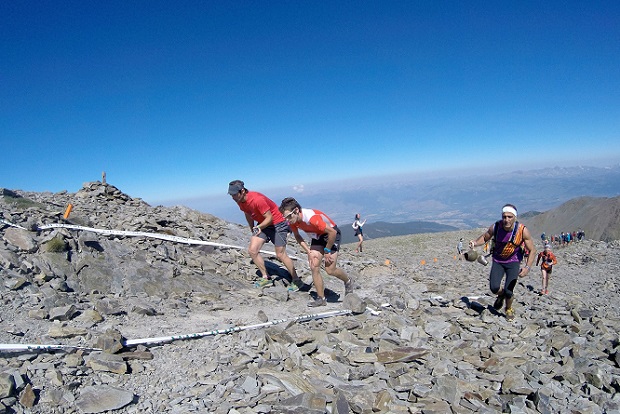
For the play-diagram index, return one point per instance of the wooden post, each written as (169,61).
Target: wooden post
(103,177)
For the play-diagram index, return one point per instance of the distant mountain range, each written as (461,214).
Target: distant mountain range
(379,229)
(599,217)
(394,204)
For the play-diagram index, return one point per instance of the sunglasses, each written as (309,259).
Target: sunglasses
(288,216)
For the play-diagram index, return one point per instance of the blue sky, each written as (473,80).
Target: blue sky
(175,99)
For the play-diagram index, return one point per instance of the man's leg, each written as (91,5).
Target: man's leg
(287,261)
(256,244)
(332,270)
(495,283)
(512,277)
(340,274)
(314,260)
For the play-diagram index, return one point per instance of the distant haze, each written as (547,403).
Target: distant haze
(461,201)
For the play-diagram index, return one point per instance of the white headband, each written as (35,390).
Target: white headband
(509,209)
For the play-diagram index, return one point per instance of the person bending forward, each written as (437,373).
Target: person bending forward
(324,245)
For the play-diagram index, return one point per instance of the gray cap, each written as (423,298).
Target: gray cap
(235,186)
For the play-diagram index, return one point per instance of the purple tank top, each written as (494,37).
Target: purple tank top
(503,238)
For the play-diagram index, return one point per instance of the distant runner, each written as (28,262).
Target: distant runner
(548,260)
(357,225)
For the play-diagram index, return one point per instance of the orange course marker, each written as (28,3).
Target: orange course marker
(422,262)
(68,210)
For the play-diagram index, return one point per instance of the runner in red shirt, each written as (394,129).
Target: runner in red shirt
(267,224)
(324,245)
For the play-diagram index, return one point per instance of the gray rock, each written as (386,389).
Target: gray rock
(353,302)
(21,239)
(111,341)
(62,330)
(99,399)
(7,385)
(294,384)
(262,316)
(303,403)
(63,313)
(27,397)
(107,363)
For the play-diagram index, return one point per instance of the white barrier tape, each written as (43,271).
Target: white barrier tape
(11,224)
(41,347)
(162,339)
(372,311)
(136,234)
(160,236)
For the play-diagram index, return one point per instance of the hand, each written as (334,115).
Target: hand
(524,271)
(329,259)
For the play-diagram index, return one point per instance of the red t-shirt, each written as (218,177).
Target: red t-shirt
(313,222)
(257,204)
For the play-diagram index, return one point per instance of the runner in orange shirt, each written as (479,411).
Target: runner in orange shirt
(324,245)
(546,267)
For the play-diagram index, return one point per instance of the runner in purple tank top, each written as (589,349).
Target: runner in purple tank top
(509,235)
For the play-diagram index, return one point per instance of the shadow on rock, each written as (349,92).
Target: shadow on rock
(476,306)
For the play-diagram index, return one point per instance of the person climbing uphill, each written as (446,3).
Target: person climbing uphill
(266,224)
(507,235)
(323,247)
(357,225)
(548,259)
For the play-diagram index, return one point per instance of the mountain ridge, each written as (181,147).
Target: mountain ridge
(460,200)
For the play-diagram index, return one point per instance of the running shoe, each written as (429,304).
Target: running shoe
(319,301)
(499,302)
(510,314)
(295,285)
(263,283)
(348,286)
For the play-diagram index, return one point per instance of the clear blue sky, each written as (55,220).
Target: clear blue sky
(173,99)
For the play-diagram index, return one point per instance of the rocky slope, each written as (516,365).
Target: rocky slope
(599,217)
(421,337)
